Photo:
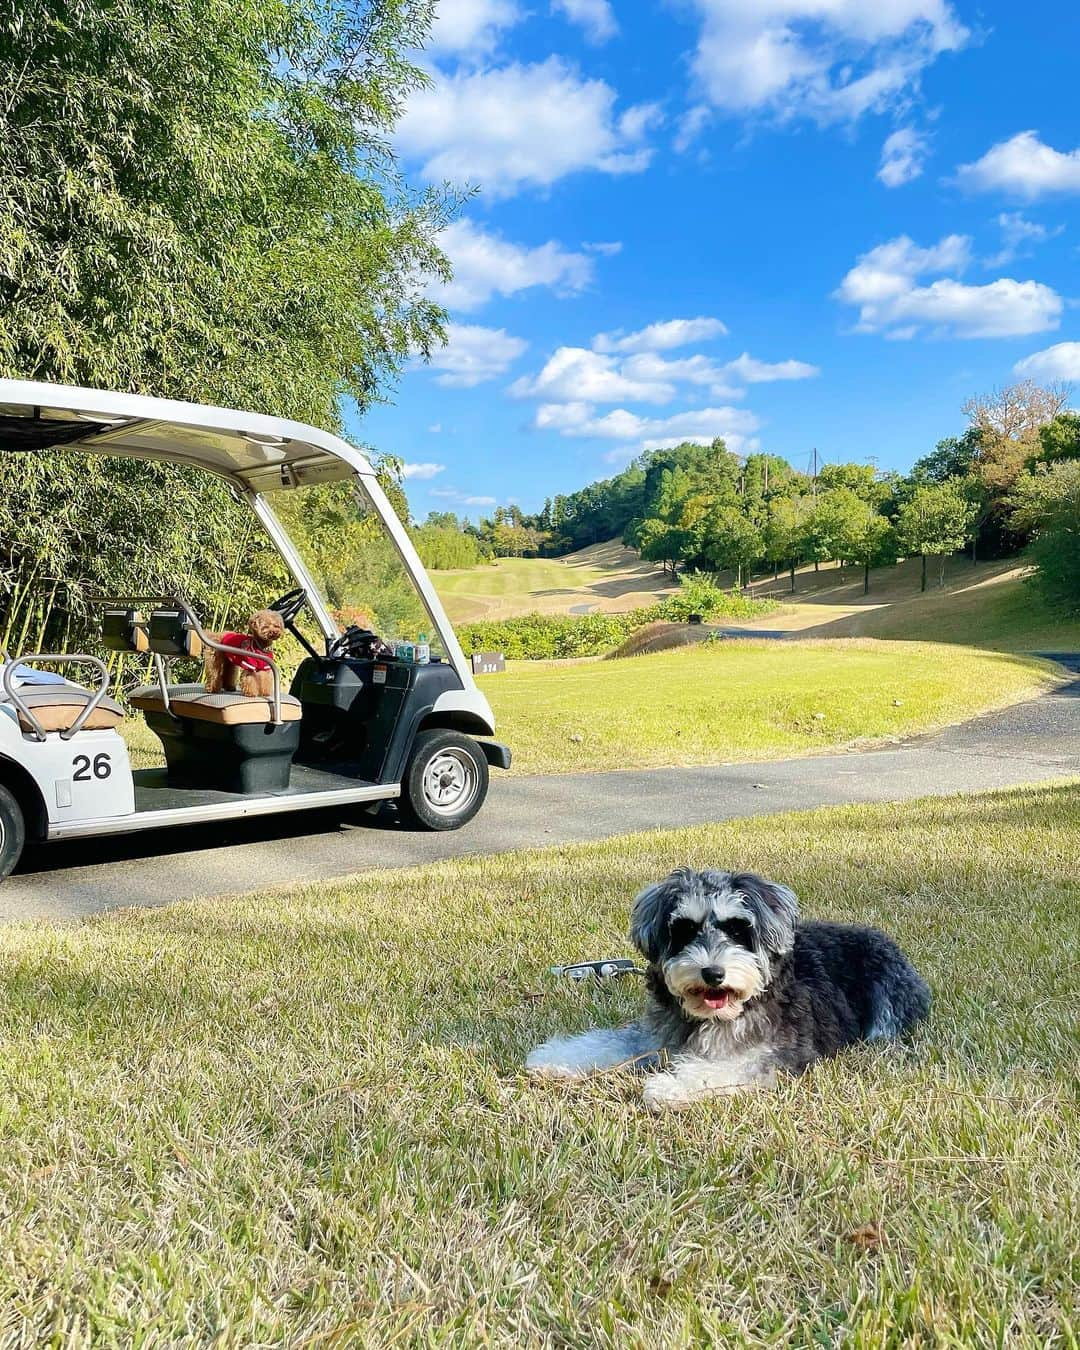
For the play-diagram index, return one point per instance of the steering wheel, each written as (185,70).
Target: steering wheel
(290,604)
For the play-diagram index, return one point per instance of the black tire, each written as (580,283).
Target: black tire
(12,832)
(445,781)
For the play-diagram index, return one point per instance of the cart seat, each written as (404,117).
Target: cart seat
(234,710)
(227,710)
(149,698)
(57,707)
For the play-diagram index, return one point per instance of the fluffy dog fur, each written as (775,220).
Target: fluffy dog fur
(739,991)
(221,675)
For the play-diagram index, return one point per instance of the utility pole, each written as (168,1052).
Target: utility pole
(766,462)
(813,479)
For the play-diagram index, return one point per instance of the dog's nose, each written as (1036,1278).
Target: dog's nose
(712,976)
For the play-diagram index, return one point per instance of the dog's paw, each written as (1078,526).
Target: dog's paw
(673,1091)
(666,1092)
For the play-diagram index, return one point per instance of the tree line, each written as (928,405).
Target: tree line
(1008,482)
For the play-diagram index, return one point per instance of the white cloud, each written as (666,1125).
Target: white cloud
(607,250)
(1060,362)
(1018,235)
(473,354)
(452,494)
(831,60)
(486,264)
(422,471)
(691,125)
(594,16)
(696,370)
(753,371)
(574,374)
(522,126)
(435,428)
(1023,166)
(883,285)
(659,337)
(902,157)
(735,425)
(470,27)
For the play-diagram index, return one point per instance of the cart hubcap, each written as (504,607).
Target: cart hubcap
(449,782)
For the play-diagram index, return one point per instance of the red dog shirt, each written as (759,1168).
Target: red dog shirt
(245,656)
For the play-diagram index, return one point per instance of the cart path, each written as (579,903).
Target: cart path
(1028,743)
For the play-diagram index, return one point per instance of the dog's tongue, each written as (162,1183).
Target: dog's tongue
(715,998)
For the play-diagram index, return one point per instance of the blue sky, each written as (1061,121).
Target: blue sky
(794,223)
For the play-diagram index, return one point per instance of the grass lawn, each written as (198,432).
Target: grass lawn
(743,701)
(300,1119)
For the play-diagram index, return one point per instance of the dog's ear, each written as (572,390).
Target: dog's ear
(651,910)
(776,909)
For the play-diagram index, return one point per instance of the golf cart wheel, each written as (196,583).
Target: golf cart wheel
(12,832)
(445,781)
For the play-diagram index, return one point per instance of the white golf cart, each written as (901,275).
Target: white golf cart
(359,723)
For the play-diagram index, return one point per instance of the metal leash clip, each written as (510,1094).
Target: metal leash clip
(609,969)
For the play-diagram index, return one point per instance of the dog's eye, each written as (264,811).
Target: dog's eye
(682,932)
(740,931)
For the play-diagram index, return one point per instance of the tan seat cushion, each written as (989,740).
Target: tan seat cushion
(57,708)
(233,710)
(147,697)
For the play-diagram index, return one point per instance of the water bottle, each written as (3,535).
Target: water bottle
(423,651)
(404,651)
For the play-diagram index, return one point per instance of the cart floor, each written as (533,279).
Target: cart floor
(153,793)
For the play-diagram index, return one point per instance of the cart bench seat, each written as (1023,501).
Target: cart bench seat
(227,710)
(57,707)
(149,698)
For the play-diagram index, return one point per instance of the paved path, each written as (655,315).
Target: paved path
(1028,743)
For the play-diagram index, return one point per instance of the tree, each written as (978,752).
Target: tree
(664,543)
(730,539)
(953,457)
(832,521)
(1060,439)
(861,479)
(196,200)
(1015,412)
(871,541)
(936,519)
(785,530)
(1048,500)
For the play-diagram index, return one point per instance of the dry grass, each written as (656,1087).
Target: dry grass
(605,577)
(300,1120)
(990,605)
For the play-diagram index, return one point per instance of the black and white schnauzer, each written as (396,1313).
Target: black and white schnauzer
(739,990)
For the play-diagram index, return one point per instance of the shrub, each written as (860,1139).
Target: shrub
(699,594)
(540,637)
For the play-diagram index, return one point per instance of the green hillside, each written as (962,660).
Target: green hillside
(606,577)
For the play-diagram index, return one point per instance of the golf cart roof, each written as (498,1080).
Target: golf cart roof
(255,452)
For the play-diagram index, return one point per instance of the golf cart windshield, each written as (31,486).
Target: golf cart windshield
(351,558)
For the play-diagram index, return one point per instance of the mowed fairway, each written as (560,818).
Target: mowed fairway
(740,700)
(300,1119)
(605,577)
